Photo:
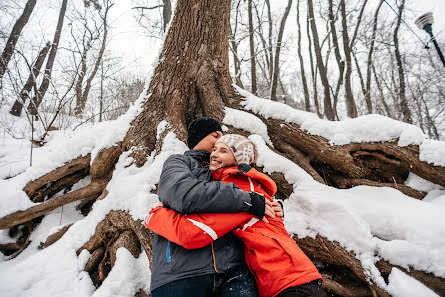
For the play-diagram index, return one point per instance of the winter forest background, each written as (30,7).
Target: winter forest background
(74,75)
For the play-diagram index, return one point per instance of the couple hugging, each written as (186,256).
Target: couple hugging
(216,232)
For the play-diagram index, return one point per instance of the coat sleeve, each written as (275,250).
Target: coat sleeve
(195,230)
(180,190)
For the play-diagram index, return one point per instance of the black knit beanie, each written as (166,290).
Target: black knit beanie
(200,128)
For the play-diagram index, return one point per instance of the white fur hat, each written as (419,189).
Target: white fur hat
(242,148)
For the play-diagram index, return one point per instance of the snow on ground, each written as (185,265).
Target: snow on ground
(373,222)
(401,285)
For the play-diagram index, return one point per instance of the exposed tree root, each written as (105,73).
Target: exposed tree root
(118,229)
(321,249)
(437,284)
(69,168)
(56,236)
(345,183)
(91,191)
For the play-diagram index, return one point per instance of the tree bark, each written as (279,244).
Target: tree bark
(276,63)
(38,97)
(14,36)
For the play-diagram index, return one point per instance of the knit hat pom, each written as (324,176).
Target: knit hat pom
(242,148)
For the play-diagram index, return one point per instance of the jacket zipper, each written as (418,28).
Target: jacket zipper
(214,260)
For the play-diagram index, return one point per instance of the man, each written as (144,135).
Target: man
(186,186)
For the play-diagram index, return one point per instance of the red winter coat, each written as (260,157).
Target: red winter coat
(271,254)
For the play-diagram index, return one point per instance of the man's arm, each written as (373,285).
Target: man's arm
(180,190)
(192,231)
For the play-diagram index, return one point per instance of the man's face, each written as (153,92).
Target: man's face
(207,143)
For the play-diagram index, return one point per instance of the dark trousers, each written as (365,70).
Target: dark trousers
(311,289)
(236,282)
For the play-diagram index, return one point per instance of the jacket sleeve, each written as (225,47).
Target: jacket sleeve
(180,190)
(195,230)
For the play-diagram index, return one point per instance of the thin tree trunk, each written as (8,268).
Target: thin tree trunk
(252,50)
(236,61)
(276,63)
(80,106)
(379,87)
(338,58)
(313,71)
(328,111)
(406,113)
(38,97)
(14,36)
(369,64)
(166,13)
(16,109)
(351,107)
(307,103)
(270,49)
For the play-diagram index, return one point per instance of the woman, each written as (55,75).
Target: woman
(278,264)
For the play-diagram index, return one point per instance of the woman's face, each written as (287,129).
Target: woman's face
(221,156)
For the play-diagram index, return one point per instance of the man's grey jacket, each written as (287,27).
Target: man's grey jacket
(186,186)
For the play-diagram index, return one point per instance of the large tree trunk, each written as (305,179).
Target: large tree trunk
(14,36)
(192,80)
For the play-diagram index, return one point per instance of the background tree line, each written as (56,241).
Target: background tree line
(336,58)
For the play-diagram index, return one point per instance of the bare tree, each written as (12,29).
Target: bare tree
(252,49)
(84,83)
(307,103)
(369,62)
(276,63)
(351,108)
(40,94)
(16,109)
(402,92)
(14,36)
(328,111)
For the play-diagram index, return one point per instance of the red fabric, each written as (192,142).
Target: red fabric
(271,254)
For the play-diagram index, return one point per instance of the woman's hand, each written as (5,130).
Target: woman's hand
(277,207)
(269,210)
